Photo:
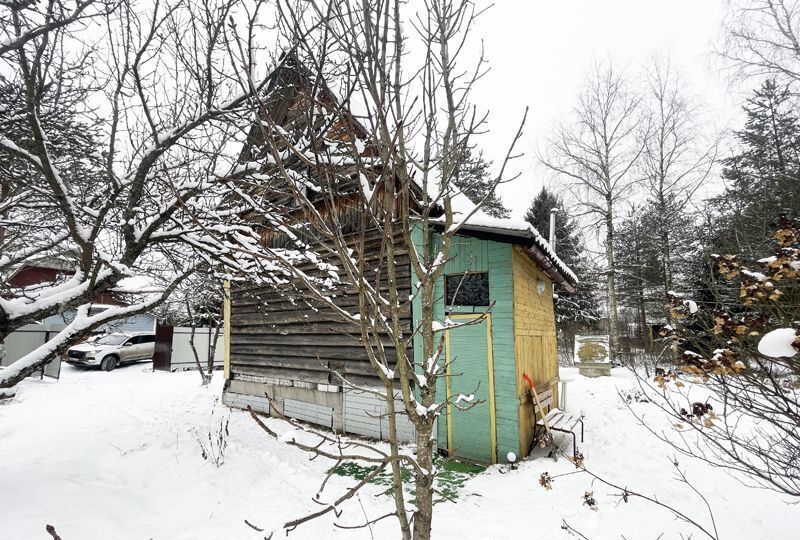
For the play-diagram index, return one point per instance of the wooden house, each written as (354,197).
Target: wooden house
(291,350)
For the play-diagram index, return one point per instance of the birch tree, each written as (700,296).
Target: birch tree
(677,159)
(594,152)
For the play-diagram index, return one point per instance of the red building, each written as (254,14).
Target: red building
(46,271)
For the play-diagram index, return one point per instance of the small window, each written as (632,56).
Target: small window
(147,339)
(467,289)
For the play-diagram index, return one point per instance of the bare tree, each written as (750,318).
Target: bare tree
(733,397)
(624,494)
(372,190)
(198,304)
(676,161)
(211,316)
(762,38)
(595,152)
(157,86)
(41,20)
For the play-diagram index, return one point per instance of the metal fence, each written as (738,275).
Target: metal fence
(26,340)
(32,336)
(182,357)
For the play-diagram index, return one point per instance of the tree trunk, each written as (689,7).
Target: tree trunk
(643,319)
(397,472)
(203,376)
(212,352)
(423,517)
(666,253)
(613,316)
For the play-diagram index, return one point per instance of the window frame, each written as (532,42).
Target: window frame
(462,276)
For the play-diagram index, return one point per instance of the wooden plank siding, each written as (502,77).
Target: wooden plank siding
(535,339)
(501,287)
(279,333)
(471,254)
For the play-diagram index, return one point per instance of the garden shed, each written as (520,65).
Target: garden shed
(499,277)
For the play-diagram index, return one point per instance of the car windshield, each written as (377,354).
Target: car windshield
(112,339)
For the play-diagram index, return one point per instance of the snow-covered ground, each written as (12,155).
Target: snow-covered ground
(115,455)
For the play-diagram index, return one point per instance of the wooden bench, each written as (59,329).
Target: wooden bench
(557,419)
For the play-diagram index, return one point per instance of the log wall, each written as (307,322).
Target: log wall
(284,334)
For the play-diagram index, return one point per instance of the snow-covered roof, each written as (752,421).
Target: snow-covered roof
(480,221)
(62,263)
(95,306)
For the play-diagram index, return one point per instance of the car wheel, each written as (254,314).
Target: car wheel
(108,363)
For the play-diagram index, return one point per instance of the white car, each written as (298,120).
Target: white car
(112,350)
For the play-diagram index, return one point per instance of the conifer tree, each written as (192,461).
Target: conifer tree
(642,260)
(640,267)
(475,182)
(763,180)
(579,309)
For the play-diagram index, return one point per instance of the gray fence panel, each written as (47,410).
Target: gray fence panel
(241,401)
(365,414)
(27,339)
(182,355)
(310,412)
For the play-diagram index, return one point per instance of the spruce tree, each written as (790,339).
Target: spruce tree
(763,179)
(474,181)
(578,310)
(644,262)
(762,184)
(640,267)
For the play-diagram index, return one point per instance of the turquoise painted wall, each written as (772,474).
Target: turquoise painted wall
(471,440)
(470,254)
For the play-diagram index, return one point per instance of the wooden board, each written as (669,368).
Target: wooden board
(471,434)
(534,339)
(272,335)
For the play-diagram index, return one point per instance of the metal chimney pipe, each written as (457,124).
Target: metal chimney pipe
(552,239)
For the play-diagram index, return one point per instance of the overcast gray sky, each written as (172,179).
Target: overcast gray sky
(540,51)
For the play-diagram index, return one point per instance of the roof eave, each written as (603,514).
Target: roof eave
(547,266)
(539,257)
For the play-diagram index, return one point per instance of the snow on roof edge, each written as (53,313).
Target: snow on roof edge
(515,228)
(481,221)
